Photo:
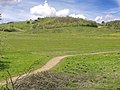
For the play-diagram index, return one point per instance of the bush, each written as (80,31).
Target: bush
(52,81)
(10,30)
(28,22)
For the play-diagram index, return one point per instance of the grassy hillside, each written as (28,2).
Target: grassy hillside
(46,23)
(24,49)
(15,26)
(99,72)
(114,24)
(82,72)
(29,45)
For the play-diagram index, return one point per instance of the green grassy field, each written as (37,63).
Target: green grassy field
(101,71)
(30,46)
(21,50)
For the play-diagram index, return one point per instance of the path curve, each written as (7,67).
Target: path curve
(52,63)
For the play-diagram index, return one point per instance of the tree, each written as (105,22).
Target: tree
(0,40)
(103,22)
(0,16)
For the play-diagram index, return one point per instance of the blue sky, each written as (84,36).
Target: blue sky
(19,10)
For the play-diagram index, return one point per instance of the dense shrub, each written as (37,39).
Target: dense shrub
(52,81)
(114,24)
(10,30)
(28,22)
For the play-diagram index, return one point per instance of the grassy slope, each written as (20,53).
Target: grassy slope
(46,23)
(17,26)
(22,49)
(101,71)
(114,24)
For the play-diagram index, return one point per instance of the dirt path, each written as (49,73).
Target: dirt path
(52,63)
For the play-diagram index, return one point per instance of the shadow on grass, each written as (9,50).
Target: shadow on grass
(4,65)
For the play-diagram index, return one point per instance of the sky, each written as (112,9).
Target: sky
(97,10)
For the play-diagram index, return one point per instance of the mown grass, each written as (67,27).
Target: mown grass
(102,70)
(22,49)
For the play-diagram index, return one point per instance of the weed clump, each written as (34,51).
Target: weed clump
(52,81)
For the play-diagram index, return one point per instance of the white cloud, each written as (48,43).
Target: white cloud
(48,11)
(77,16)
(7,2)
(43,10)
(98,18)
(105,18)
(63,13)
